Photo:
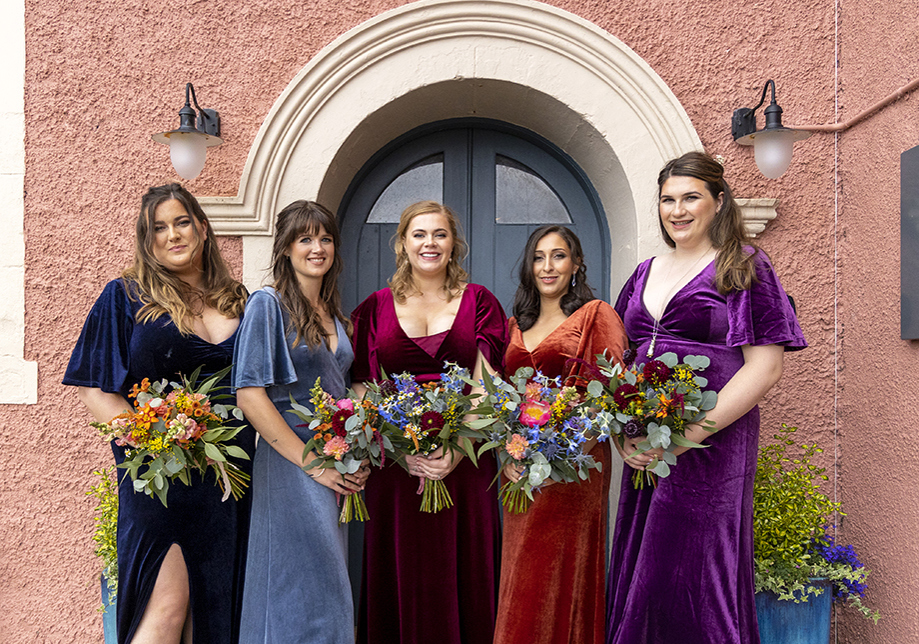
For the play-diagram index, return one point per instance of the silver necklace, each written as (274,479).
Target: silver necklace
(664,300)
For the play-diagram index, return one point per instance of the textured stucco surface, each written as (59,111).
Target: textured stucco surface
(102,76)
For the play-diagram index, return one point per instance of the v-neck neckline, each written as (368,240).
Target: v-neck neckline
(644,286)
(550,334)
(392,304)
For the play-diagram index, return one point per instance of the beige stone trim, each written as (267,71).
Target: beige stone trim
(18,377)
(516,61)
(757,213)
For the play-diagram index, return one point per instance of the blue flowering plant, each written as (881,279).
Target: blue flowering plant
(795,554)
(538,425)
(655,401)
(418,418)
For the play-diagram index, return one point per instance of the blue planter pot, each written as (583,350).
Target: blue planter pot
(788,622)
(108,617)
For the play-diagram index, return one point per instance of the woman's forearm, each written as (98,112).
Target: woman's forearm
(264,417)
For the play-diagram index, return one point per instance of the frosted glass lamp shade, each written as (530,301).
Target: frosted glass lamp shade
(188,151)
(772,151)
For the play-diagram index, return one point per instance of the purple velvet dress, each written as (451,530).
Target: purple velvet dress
(429,577)
(682,557)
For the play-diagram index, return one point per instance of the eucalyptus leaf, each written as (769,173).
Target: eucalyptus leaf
(661,469)
(595,389)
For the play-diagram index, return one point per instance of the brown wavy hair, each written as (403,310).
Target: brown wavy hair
(160,291)
(305,322)
(735,265)
(527,300)
(401,284)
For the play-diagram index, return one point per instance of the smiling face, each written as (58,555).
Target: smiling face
(687,210)
(178,238)
(428,243)
(553,266)
(311,254)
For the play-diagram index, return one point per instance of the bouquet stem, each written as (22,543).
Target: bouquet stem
(514,499)
(353,509)
(641,478)
(435,496)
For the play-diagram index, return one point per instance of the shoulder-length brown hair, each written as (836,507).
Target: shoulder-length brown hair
(527,300)
(735,266)
(160,291)
(401,283)
(305,218)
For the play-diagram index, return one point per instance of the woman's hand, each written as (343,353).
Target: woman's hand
(436,465)
(512,471)
(630,446)
(336,481)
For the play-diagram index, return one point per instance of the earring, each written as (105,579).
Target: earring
(574,280)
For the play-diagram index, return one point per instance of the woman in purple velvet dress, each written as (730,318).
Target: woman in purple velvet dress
(429,577)
(682,559)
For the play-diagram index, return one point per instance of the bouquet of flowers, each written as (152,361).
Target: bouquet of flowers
(657,400)
(344,438)
(174,429)
(539,425)
(420,418)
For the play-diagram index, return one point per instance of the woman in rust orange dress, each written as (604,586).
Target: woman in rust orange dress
(553,558)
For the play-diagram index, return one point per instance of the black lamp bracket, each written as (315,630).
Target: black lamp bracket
(210,119)
(743,122)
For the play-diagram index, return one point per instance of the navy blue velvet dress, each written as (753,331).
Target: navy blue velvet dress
(113,353)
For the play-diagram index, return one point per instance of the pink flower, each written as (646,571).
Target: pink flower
(534,413)
(533,391)
(345,403)
(336,447)
(516,446)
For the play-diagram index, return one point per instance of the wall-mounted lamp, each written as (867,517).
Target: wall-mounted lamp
(772,146)
(188,144)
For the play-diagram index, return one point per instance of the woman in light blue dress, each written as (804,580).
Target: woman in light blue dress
(297,587)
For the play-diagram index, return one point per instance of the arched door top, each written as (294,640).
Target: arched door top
(496,59)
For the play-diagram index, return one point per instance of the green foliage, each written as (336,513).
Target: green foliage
(790,519)
(104,536)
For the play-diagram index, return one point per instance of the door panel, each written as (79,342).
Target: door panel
(544,184)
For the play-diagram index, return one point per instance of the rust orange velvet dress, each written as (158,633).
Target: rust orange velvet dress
(553,557)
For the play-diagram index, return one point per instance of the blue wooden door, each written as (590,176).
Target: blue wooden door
(501,180)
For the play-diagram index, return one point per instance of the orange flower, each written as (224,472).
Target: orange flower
(144,386)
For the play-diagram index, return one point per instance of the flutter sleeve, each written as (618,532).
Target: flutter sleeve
(763,314)
(101,358)
(364,318)
(261,356)
(490,328)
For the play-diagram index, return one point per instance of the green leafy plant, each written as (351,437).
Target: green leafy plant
(791,515)
(104,536)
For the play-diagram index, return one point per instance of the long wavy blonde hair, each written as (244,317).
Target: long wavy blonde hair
(401,284)
(299,218)
(162,292)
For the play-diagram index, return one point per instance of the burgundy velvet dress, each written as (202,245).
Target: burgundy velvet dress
(429,578)
(553,556)
(682,559)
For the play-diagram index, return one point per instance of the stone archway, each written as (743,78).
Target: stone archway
(517,61)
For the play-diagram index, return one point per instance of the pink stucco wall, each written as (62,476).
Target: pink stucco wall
(101,76)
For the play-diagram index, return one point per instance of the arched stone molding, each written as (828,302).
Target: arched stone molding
(18,377)
(518,61)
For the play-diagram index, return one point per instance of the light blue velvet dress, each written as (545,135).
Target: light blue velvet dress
(296,588)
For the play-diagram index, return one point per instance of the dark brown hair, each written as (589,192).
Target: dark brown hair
(735,266)
(305,218)
(160,291)
(527,300)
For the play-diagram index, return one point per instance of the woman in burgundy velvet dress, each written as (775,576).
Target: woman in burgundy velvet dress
(682,560)
(553,558)
(429,578)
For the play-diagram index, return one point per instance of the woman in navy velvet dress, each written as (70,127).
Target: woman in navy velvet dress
(297,587)
(176,309)
(429,578)
(682,560)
